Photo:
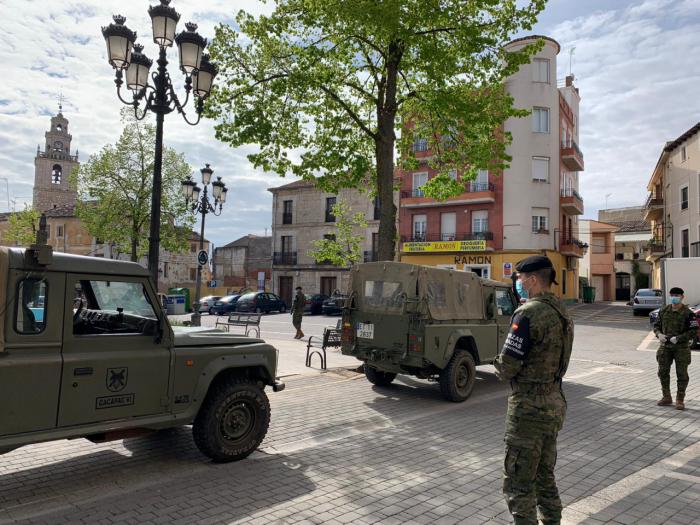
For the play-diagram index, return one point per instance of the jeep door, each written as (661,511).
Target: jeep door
(30,364)
(114,366)
(505,307)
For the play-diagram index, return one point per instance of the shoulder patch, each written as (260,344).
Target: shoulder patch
(518,342)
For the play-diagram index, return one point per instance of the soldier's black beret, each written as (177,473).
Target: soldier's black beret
(534,263)
(676,291)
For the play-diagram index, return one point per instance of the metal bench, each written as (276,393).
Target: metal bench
(248,321)
(332,338)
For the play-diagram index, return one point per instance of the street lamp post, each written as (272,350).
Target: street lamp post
(203,206)
(160,98)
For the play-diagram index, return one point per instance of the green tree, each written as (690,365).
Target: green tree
(114,192)
(325,87)
(23,226)
(344,247)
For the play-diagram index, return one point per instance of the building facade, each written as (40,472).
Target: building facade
(673,206)
(301,214)
(245,263)
(598,263)
(530,208)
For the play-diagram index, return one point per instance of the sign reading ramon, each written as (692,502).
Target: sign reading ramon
(445,246)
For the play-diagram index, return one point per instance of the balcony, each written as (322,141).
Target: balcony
(445,237)
(572,247)
(371,256)
(655,250)
(474,193)
(284,258)
(571,156)
(571,202)
(654,207)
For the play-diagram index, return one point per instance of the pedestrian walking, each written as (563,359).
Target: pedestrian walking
(298,311)
(674,327)
(534,359)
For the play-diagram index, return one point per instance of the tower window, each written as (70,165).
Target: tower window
(56,174)
(59,127)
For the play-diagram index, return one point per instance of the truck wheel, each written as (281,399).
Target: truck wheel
(379,378)
(232,421)
(457,379)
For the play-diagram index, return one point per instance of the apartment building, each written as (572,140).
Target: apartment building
(301,214)
(244,263)
(530,208)
(598,263)
(673,206)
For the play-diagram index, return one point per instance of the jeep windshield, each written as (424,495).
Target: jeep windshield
(130,297)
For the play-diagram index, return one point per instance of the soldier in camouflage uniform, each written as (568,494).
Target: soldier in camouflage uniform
(534,359)
(298,311)
(674,327)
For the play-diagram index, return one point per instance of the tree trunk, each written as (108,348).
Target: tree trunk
(134,247)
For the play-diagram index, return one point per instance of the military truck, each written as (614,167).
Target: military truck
(86,351)
(432,323)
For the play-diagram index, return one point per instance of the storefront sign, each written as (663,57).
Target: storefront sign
(472,259)
(445,246)
(507,270)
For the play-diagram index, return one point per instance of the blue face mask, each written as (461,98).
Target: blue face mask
(675,299)
(522,292)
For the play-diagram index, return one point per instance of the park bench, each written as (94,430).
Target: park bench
(248,321)
(332,338)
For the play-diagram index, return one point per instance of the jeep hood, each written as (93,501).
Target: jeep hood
(203,336)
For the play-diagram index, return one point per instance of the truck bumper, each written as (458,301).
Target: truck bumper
(278,386)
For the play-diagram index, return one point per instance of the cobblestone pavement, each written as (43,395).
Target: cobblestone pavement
(342,451)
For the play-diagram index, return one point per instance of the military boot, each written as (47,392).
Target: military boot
(680,405)
(301,334)
(665,400)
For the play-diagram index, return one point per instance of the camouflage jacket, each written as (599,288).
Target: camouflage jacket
(679,323)
(538,347)
(298,304)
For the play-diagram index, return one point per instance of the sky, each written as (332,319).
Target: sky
(635,62)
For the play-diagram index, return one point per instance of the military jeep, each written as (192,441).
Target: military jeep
(427,322)
(86,351)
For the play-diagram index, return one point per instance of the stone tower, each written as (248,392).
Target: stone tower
(53,166)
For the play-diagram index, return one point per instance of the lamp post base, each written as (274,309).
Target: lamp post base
(196,317)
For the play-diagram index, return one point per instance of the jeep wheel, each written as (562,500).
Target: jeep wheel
(232,421)
(457,379)
(379,378)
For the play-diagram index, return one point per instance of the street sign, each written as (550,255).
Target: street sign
(202,257)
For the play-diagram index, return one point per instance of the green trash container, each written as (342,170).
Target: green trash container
(186,293)
(588,294)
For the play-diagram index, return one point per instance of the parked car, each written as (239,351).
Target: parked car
(314,303)
(647,299)
(334,304)
(225,305)
(260,302)
(695,341)
(206,303)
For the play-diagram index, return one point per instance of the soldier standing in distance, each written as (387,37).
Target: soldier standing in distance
(674,327)
(298,312)
(534,359)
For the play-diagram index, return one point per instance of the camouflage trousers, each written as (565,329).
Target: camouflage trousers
(528,473)
(296,321)
(666,356)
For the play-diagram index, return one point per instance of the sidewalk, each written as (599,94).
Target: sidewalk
(292,357)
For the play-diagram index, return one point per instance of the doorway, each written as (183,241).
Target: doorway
(286,283)
(622,286)
(328,285)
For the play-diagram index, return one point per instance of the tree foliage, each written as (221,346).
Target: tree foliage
(23,226)
(333,88)
(114,192)
(344,248)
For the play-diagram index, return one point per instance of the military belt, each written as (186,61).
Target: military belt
(536,388)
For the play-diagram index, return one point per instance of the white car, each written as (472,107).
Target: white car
(647,299)
(207,303)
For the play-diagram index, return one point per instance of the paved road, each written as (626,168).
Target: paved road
(341,451)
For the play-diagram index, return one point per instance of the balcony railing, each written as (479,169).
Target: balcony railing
(570,245)
(654,200)
(440,237)
(571,201)
(284,258)
(571,155)
(471,187)
(571,193)
(695,249)
(371,256)
(286,218)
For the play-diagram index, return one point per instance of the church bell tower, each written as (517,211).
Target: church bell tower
(53,166)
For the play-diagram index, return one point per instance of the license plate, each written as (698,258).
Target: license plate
(365,330)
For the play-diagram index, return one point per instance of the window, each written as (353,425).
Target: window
(59,230)
(448,226)
(685,242)
(193,274)
(480,221)
(31,306)
(113,307)
(287,212)
(420,145)
(684,198)
(684,154)
(330,202)
(286,244)
(383,295)
(599,243)
(540,169)
(540,220)
(329,237)
(376,208)
(420,225)
(481,183)
(540,70)
(504,302)
(419,180)
(540,120)
(56,174)
(452,174)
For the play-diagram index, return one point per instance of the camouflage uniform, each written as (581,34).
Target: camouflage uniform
(681,324)
(534,359)
(298,309)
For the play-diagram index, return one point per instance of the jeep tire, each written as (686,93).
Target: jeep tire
(232,421)
(377,377)
(458,377)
